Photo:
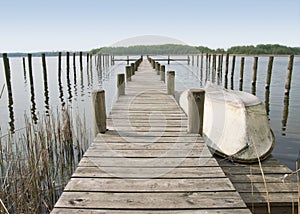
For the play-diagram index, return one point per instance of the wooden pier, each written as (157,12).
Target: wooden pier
(147,162)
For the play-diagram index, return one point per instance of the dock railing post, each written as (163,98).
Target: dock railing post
(128,73)
(171,82)
(121,84)
(196,98)
(132,69)
(254,74)
(98,98)
(162,73)
(158,69)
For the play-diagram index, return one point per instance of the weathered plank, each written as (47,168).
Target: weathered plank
(157,211)
(148,185)
(150,200)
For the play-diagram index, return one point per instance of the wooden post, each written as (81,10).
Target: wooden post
(121,84)
(162,73)
(98,98)
(30,70)
(132,69)
(227,65)
(46,91)
(242,73)
(193,60)
(232,73)
(188,60)
(171,82)
(201,65)
(197,60)
(9,91)
(7,73)
(127,60)
(68,61)
(168,59)
(254,75)
(128,73)
(156,66)
(214,65)
(289,75)
(24,67)
(80,60)
(59,65)
(74,61)
(196,99)
(158,69)
(269,72)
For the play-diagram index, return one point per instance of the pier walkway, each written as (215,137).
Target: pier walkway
(147,162)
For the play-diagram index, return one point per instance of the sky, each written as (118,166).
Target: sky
(37,25)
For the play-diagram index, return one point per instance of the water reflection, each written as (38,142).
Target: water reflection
(267,101)
(285,114)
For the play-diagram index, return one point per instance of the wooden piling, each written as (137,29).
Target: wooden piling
(197,60)
(201,66)
(232,73)
(132,69)
(30,70)
(68,61)
(121,84)
(171,82)
(227,65)
(98,98)
(193,59)
(46,91)
(59,65)
(242,73)
(128,73)
(158,69)
(9,91)
(254,74)
(196,99)
(289,75)
(7,73)
(168,59)
(24,67)
(214,66)
(269,72)
(74,61)
(162,73)
(80,60)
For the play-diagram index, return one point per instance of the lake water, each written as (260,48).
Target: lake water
(75,92)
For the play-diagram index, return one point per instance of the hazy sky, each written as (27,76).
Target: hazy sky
(38,25)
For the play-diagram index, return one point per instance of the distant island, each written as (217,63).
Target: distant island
(271,49)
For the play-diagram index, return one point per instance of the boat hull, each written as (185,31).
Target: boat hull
(235,124)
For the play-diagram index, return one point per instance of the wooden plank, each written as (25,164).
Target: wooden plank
(180,153)
(173,201)
(157,211)
(145,146)
(140,162)
(271,187)
(148,185)
(163,172)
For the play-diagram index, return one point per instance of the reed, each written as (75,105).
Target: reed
(37,162)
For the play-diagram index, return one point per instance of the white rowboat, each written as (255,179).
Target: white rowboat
(235,124)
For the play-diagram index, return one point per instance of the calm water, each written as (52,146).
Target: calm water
(75,92)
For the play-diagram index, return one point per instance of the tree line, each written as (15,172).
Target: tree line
(186,49)
(178,49)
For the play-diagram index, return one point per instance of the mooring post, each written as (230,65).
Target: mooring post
(242,73)
(168,59)
(158,69)
(289,75)
(132,69)
(269,72)
(128,73)
(254,75)
(59,65)
(30,70)
(80,60)
(171,82)
(156,66)
(196,99)
(233,66)
(68,61)
(7,73)
(121,84)
(98,98)
(162,73)
(24,67)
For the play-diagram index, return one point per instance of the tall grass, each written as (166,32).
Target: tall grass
(37,162)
